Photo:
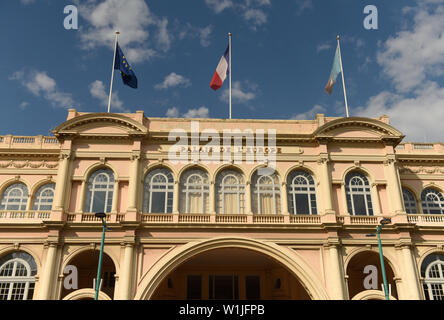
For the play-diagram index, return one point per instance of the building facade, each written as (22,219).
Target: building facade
(197,220)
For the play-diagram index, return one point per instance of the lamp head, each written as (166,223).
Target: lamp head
(385,221)
(100,215)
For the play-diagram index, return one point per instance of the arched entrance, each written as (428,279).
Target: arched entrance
(364,269)
(242,266)
(231,274)
(86,263)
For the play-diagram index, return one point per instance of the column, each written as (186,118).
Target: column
(212,198)
(133,186)
(29,203)
(115,196)
(410,278)
(344,199)
(82,196)
(284,199)
(394,187)
(61,182)
(326,185)
(48,277)
(375,200)
(126,273)
(176,197)
(336,280)
(248,209)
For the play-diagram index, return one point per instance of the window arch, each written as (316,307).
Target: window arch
(432,271)
(359,199)
(15,197)
(158,191)
(44,197)
(230,192)
(99,196)
(432,201)
(17,276)
(409,201)
(301,193)
(266,194)
(194,191)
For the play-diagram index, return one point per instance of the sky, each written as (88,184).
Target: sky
(282,55)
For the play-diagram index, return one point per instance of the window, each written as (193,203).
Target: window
(230,192)
(99,195)
(194,191)
(17,276)
(44,197)
(359,199)
(14,197)
(158,191)
(409,201)
(301,193)
(432,270)
(222,287)
(432,201)
(266,194)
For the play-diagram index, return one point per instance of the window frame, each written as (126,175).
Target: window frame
(91,189)
(366,193)
(429,281)
(22,204)
(291,192)
(149,189)
(187,188)
(225,188)
(37,202)
(410,204)
(12,280)
(258,189)
(424,203)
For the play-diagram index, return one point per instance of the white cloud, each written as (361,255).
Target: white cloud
(323,46)
(25,2)
(97,90)
(201,112)
(133,19)
(303,5)
(23,105)
(40,84)
(250,10)
(173,80)
(310,114)
(239,94)
(191,31)
(410,60)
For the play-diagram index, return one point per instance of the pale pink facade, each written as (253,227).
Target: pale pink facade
(299,241)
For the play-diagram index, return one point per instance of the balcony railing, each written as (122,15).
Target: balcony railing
(26,216)
(426,219)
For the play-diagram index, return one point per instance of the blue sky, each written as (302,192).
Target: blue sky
(282,53)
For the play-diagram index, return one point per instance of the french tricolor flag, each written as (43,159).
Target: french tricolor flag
(222,71)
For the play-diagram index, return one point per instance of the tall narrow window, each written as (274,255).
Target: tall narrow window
(301,193)
(230,192)
(99,196)
(14,197)
(359,199)
(432,201)
(44,197)
(266,194)
(158,191)
(17,276)
(194,191)
(432,271)
(409,201)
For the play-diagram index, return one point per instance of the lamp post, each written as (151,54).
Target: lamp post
(102,216)
(381,256)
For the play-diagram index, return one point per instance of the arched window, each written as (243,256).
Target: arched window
(158,191)
(14,197)
(409,201)
(44,197)
(432,201)
(301,193)
(359,199)
(194,191)
(99,196)
(432,270)
(17,276)
(230,192)
(266,194)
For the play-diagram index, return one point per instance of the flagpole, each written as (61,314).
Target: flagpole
(343,81)
(229,45)
(112,72)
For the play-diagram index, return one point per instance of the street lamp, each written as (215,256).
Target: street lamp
(381,256)
(102,216)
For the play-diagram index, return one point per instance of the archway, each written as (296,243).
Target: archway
(86,263)
(230,274)
(361,273)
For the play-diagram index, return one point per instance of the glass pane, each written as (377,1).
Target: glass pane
(158,202)
(99,201)
(252,287)
(359,203)
(302,206)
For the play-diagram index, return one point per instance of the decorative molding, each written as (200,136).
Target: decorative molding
(29,164)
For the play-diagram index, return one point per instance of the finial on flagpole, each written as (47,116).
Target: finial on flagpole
(229,34)
(337,37)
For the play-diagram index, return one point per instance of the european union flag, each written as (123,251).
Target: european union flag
(128,76)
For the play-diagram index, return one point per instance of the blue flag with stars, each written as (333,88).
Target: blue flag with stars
(128,76)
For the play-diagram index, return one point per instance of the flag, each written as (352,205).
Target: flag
(121,63)
(335,71)
(222,71)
